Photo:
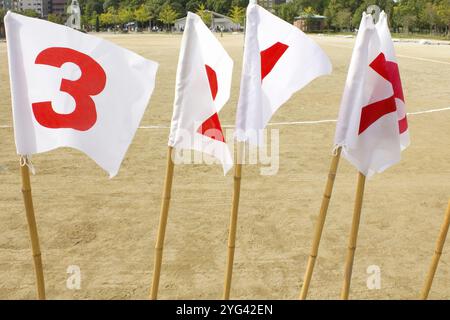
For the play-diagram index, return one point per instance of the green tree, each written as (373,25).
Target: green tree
(220,6)
(2,24)
(167,15)
(331,11)
(179,6)
(443,12)
(56,18)
(192,5)
(125,15)
(406,14)
(309,11)
(110,4)
(91,6)
(343,19)
(237,15)
(429,16)
(154,8)
(204,14)
(142,15)
(30,13)
(287,11)
(97,23)
(239,3)
(385,5)
(109,18)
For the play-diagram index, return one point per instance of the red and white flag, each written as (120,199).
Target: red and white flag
(372,128)
(279,60)
(202,88)
(70,89)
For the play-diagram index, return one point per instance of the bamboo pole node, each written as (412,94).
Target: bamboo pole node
(336,154)
(233,220)
(353,236)
(25,165)
(159,245)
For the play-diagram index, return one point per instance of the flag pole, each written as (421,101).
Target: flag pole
(320,223)
(353,236)
(162,225)
(32,227)
(233,219)
(437,254)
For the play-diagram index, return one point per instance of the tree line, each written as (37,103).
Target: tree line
(418,16)
(151,13)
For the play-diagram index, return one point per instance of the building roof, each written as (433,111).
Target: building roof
(215,15)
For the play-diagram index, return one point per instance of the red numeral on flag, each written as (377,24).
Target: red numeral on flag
(270,57)
(211,127)
(91,83)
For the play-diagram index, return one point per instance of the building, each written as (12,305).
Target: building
(269,4)
(9,4)
(218,22)
(310,22)
(40,6)
(57,6)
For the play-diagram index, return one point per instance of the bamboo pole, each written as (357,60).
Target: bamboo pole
(437,254)
(162,225)
(32,228)
(233,219)
(320,224)
(353,236)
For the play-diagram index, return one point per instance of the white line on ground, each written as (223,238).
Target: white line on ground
(423,59)
(398,55)
(282,123)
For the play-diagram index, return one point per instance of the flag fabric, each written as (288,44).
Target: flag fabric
(70,89)
(372,128)
(203,84)
(393,76)
(279,59)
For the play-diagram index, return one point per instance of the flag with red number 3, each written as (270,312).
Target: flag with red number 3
(70,89)
(372,128)
(202,88)
(279,59)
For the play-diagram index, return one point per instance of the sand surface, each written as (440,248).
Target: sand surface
(108,227)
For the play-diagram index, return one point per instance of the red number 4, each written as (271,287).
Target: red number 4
(91,83)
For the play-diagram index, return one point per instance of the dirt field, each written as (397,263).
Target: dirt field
(108,227)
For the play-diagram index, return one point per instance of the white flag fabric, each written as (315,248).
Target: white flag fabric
(279,60)
(393,74)
(202,87)
(70,89)
(372,128)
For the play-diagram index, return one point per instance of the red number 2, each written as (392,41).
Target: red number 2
(91,83)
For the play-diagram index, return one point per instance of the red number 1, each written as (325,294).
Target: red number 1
(91,83)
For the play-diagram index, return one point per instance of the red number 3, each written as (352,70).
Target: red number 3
(91,83)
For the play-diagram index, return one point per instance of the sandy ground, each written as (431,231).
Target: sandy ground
(108,227)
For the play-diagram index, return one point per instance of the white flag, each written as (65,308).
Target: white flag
(202,88)
(279,60)
(70,89)
(372,127)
